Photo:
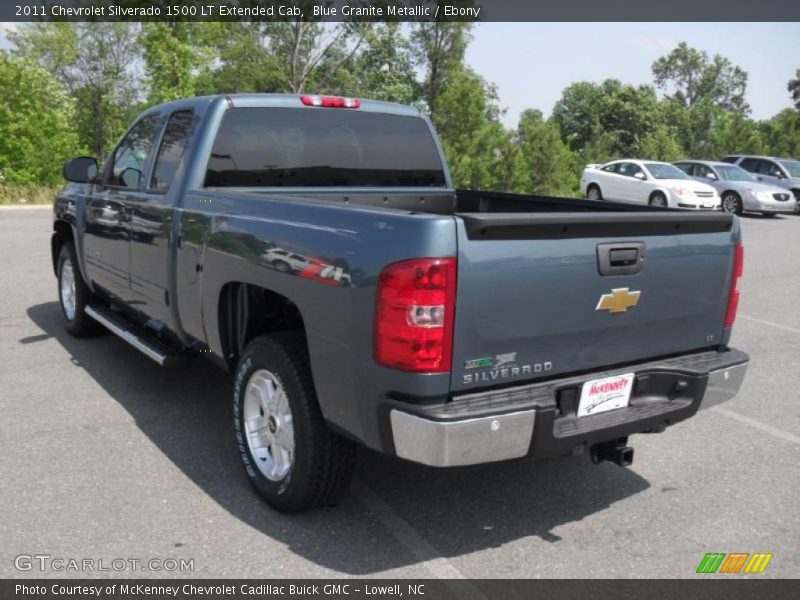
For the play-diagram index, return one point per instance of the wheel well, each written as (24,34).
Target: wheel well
(247,311)
(62,233)
(654,192)
(734,192)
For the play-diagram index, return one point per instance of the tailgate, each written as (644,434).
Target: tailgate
(555,293)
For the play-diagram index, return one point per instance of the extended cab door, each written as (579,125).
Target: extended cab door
(106,237)
(151,216)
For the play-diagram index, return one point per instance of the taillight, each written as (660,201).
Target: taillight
(414,314)
(733,299)
(330,101)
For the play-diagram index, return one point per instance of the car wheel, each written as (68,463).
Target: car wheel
(658,199)
(768,215)
(74,295)
(593,193)
(292,459)
(281,266)
(731,203)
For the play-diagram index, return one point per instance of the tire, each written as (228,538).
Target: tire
(658,199)
(290,456)
(281,266)
(593,193)
(74,295)
(768,215)
(732,203)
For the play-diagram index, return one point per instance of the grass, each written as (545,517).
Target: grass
(27,193)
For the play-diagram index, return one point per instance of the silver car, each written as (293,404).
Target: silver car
(783,172)
(740,191)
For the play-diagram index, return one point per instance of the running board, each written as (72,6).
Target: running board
(122,328)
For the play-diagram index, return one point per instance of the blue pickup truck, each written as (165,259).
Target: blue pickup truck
(315,247)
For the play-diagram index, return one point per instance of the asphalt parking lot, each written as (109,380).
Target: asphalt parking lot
(104,455)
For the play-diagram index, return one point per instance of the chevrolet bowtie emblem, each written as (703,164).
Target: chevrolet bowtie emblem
(618,301)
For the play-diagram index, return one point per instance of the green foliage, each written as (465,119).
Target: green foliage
(73,88)
(692,77)
(794,89)
(36,123)
(549,166)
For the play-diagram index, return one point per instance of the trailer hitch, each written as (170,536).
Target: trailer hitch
(616,451)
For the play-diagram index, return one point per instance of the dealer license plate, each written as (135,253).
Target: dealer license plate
(600,395)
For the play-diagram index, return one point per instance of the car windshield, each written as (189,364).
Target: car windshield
(733,173)
(663,171)
(793,166)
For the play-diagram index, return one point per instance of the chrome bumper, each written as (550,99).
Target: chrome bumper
(463,442)
(490,438)
(723,385)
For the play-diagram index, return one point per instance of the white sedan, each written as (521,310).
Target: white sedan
(647,182)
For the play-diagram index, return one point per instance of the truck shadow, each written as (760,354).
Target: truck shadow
(187,415)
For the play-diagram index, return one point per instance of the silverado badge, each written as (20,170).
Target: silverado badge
(618,301)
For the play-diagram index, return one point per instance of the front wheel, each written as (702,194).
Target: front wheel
(74,295)
(731,203)
(292,459)
(658,199)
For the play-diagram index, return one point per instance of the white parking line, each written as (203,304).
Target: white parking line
(429,558)
(784,327)
(773,431)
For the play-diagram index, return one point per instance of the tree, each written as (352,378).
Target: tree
(95,62)
(171,60)
(438,49)
(549,166)
(794,89)
(475,142)
(781,134)
(608,119)
(692,77)
(36,123)
(384,69)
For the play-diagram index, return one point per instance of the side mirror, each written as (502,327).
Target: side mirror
(82,169)
(640,176)
(711,176)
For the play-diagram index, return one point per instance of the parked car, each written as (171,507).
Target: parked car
(782,172)
(738,189)
(578,324)
(283,260)
(647,182)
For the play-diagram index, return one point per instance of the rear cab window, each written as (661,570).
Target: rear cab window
(174,143)
(321,147)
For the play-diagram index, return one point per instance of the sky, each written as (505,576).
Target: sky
(531,63)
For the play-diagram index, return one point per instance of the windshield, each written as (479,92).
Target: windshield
(663,171)
(793,166)
(734,173)
(322,147)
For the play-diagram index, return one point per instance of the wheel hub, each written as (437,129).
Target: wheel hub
(68,289)
(268,425)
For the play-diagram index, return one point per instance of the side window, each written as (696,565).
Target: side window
(687,168)
(611,168)
(749,164)
(173,146)
(767,167)
(129,157)
(730,159)
(629,169)
(701,171)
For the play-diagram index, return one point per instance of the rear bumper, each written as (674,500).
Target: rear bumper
(540,419)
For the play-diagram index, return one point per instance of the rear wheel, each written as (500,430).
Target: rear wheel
(593,193)
(74,295)
(732,203)
(768,215)
(292,459)
(658,199)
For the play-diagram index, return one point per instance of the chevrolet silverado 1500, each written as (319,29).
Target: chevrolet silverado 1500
(315,247)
